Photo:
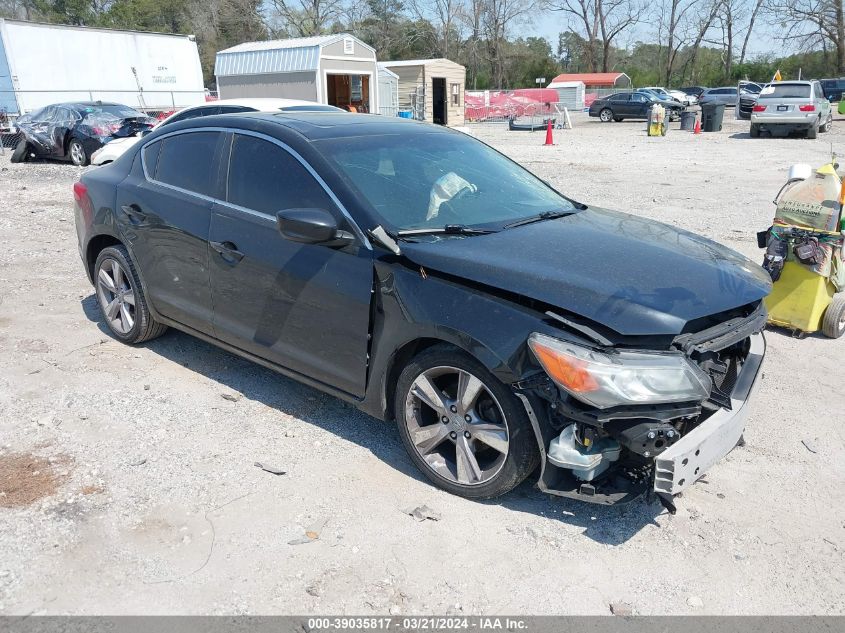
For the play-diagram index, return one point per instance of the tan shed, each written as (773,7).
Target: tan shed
(433,89)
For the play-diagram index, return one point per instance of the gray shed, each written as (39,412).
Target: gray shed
(337,70)
(388,92)
(570,93)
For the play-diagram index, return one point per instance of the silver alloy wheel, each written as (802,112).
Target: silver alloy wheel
(117,298)
(605,115)
(456,425)
(77,154)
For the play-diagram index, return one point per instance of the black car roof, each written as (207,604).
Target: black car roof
(320,125)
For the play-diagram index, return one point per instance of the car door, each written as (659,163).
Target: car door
(63,122)
(822,104)
(619,104)
(640,105)
(305,307)
(164,210)
(40,131)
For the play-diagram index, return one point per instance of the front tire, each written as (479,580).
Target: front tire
(606,115)
(833,323)
(121,298)
(22,152)
(485,447)
(77,154)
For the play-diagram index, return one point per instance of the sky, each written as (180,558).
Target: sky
(553,22)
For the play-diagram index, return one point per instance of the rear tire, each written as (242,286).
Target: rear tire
(77,154)
(833,323)
(121,298)
(606,115)
(754,131)
(618,119)
(475,405)
(813,132)
(827,124)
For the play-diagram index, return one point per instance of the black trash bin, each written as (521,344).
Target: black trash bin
(711,117)
(688,119)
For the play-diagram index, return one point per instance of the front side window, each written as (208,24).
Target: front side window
(620,98)
(429,180)
(187,161)
(266,178)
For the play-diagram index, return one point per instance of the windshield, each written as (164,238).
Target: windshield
(786,91)
(430,180)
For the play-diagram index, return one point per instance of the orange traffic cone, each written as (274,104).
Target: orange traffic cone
(697,128)
(549,139)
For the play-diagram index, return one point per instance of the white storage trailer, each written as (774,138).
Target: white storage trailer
(42,64)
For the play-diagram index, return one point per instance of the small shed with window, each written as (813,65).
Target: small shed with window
(432,89)
(338,70)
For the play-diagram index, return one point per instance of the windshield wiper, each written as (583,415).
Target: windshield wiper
(449,229)
(545,215)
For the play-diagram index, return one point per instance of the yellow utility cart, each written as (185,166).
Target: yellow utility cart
(804,253)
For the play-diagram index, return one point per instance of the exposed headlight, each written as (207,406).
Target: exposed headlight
(608,380)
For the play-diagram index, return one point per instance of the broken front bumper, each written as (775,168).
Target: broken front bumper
(689,458)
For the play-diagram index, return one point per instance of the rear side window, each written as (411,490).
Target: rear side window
(266,178)
(186,161)
(233,109)
(194,113)
(786,91)
(150,156)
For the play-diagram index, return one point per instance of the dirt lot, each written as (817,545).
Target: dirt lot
(145,495)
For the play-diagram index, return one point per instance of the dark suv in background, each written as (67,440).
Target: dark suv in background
(419,274)
(833,89)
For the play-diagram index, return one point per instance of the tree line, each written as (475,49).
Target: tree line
(668,42)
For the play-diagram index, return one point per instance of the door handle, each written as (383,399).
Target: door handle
(228,251)
(134,213)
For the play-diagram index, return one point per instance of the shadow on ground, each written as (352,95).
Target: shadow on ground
(612,525)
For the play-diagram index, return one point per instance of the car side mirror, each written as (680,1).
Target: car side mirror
(311,226)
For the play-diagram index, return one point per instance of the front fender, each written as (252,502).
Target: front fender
(415,305)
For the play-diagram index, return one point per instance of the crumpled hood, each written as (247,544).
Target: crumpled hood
(635,276)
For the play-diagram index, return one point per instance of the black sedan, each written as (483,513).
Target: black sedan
(419,274)
(631,105)
(74,131)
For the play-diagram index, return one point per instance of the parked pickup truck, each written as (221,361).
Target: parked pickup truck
(791,106)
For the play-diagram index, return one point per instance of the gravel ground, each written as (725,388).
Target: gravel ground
(152,502)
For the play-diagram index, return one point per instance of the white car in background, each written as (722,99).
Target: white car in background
(114,149)
(678,95)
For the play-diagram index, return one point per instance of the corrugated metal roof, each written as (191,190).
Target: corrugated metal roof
(276,56)
(420,62)
(281,60)
(297,42)
(593,79)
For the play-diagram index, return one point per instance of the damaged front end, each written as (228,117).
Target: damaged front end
(615,422)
